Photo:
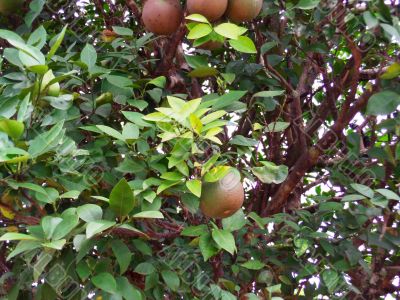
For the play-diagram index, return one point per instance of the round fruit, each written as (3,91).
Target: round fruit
(10,6)
(162,17)
(223,198)
(211,9)
(108,36)
(243,10)
(53,90)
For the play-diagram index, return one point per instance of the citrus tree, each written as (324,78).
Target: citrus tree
(168,149)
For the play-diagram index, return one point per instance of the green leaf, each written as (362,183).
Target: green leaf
(240,140)
(194,231)
(57,43)
(89,56)
(277,126)
(96,227)
(106,282)
(217,173)
(268,94)
(199,31)
(195,123)
(68,223)
(230,30)
(243,44)
(13,155)
(363,190)
(383,103)
(197,18)
(123,255)
(57,245)
(36,7)
(111,132)
(224,240)
(331,279)
(370,20)
(50,196)
(71,195)
(388,194)
(171,279)
(144,268)
(24,246)
(90,212)
(13,128)
(123,31)
(46,141)
(207,246)
(391,31)
(122,200)
(160,81)
(350,198)
(392,72)
(227,99)
(149,215)
(253,264)
(49,224)
(126,289)
(194,186)
(136,118)
(13,236)
(307,4)
(202,72)
(234,222)
(271,173)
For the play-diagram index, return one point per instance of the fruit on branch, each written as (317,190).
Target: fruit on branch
(221,199)
(211,45)
(108,36)
(162,17)
(53,89)
(211,9)
(243,10)
(10,6)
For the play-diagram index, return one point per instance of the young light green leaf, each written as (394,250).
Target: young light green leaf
(149,215)
(230,30)
(243,44)
(194,186)
(12,128)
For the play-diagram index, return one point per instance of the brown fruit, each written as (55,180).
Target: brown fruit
(243,10)
(211,9)
(10,6)
(162,17)
(211,45)
(223,198)
(108,36)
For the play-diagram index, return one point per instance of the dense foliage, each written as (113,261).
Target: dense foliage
(108,133)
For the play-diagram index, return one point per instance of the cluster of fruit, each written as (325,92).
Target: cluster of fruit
(163,17)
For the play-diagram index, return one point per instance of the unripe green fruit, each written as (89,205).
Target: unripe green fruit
(104,99)
(52,90)
(243,10)
(10,6)
(223,198)
(162,17)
